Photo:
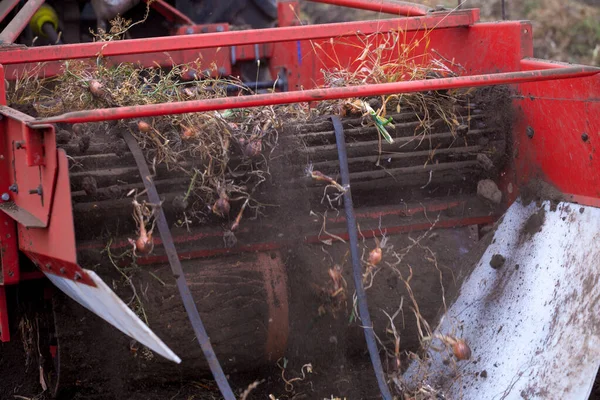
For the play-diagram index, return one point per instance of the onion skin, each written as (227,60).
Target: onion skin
(96,88)
(375,256)
(253,148)
(77,128)
(461,350)
(144,243)
(143,126)
(188,134)
(222,206)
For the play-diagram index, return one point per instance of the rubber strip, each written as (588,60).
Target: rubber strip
(184,290)
(361,295)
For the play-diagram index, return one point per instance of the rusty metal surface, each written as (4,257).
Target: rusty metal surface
(152,110)
(275,280)
(14,28)
(532,322)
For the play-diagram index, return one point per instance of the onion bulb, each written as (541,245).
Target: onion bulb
(188,133)
(461,350)
(253,148)
(96,88)
(143,126)
(375,256)
(222,206)
(144,243)
(77,128)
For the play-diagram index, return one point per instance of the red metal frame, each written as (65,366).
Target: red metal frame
(389,7)
(20,21)
(170,13)
(152,110)
(482,53)
(6,6)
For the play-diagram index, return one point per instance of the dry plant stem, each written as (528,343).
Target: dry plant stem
(249,389)
(319,176)
(289,387)
(127,279)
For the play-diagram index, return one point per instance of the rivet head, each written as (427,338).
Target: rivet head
(63,270)
(77,276)
(5,197)
(530,132)
(585,137)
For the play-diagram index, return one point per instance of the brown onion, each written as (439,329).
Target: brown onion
(144,243)
(222,206)
(188,133)
(461,350)
(253,148)
(96,88)
(143,126)
(375,256)
(77,129)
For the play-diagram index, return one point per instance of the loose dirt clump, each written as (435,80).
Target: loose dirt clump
(497,261)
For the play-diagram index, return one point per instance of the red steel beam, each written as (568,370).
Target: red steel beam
(153,110)
(384,6)
(259,247)
(170,13)
(235,38)
(20,21)
(6,6)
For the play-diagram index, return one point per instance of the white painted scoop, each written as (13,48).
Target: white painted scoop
(533,324)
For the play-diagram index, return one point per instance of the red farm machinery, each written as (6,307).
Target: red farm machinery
(273,176)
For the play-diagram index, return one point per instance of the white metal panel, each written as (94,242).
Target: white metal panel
(534,324)
(102,301)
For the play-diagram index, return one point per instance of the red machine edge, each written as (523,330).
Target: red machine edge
(491,54)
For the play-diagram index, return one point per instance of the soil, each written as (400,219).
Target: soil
(497,261)
(533,225)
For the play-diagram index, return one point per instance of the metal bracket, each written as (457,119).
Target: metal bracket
(28,157)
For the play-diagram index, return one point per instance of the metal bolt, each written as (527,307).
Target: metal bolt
(530,132)
(11,273)
(189,31)
(19,145)
(14,188)
(37,190)
(585,137)
(220,28)
(49,266)
(77,276)
(63,270)
(5,197)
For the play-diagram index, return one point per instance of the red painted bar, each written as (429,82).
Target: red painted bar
(20,21)
(384,6)
(235,38)
(152,110)
(169,12)
(6,6)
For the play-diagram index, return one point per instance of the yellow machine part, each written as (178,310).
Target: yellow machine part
(45,14)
